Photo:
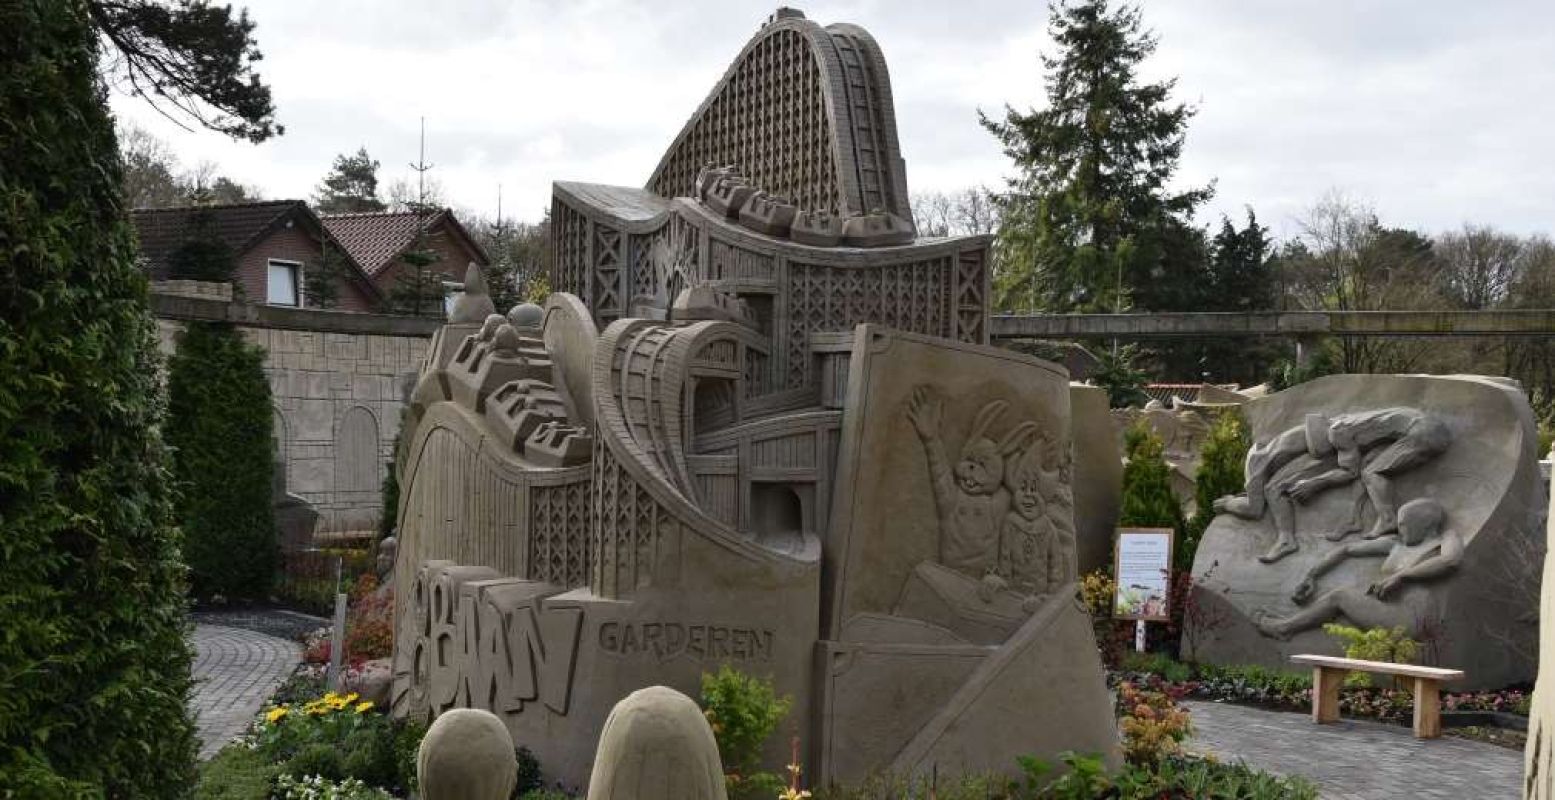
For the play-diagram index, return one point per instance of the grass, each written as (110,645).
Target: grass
(235,773)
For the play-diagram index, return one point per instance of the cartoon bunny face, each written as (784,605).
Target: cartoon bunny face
(981,468)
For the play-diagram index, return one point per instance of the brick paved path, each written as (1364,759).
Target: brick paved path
(1355,760)
(235,671)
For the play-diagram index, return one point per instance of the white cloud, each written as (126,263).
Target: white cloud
(1433,110)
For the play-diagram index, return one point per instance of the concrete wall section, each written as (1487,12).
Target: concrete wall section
(337,399)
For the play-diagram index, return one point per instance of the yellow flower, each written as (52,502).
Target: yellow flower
(351,698)
(276,714)
(364,706)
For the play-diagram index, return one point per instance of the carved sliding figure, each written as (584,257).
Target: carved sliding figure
(1376,447)
(1423,550)
(1367,448)
(970,497)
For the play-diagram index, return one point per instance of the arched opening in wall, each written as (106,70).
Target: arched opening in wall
(712,404)
(356,452)
(777,515)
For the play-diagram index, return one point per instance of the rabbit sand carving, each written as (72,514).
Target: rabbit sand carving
(970,498)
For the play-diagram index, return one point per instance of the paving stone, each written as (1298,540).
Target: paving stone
(235,671)
(1355,759)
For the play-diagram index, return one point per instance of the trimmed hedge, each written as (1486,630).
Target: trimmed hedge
(94,669)
(220,426)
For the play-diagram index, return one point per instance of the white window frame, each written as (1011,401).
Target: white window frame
(297,293)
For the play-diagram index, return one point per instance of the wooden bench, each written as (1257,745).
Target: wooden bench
(1328,673)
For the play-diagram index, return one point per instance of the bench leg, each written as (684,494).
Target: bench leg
(1326,682)
(1428,709)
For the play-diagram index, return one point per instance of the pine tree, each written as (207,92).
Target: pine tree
(418,288)
(190,58)
(350,187)
(1088,219)
(94,666)
(321,280)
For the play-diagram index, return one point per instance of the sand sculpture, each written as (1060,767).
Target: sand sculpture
(1380,501)
(657,745)
(759,423)
(1539,753)
(466,754)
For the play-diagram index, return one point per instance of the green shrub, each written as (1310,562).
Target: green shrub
(1373,644)
(96,669)
(323,760)
(528,771)
(219,423)
(388,520)
(1221,472)
(1085,778)
(1160,664)
(743,711)
(407,740)
(236,773)
(370,756)
(1148,501)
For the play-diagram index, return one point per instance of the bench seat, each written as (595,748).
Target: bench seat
(1328,674)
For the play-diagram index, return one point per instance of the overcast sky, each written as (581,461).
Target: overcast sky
(1436,113)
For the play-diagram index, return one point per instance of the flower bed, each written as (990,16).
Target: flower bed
(1288,691)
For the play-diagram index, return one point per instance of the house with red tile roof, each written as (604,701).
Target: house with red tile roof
(275,242)
(376,240)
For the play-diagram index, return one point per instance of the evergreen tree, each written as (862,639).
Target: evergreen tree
(1088,219)
(520,255)
(94,667)
(1148,501)
(203,255)
(350,187)
(1221,473)
(1117,372)
(193,56)
(220,426)
(321,280)
(418,287)
(1240,272)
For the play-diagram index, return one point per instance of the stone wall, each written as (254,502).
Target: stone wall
(337,394)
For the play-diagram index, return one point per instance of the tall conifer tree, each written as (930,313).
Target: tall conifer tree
(1089,215)
(94,667)
(350,187)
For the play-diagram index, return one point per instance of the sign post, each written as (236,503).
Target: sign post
(1142,568)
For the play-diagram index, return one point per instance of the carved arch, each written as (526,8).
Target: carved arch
(357,454)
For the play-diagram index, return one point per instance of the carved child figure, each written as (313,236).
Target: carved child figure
(1421,550)
(1035,549)
(970,498)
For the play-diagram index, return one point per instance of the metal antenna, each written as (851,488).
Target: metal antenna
(421,167)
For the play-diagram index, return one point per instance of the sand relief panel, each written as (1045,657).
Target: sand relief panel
(1364,510)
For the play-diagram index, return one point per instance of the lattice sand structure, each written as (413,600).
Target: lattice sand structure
(752,368)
